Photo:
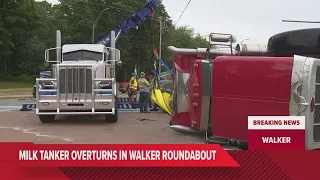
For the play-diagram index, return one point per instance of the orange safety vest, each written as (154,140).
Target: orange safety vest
(133,83)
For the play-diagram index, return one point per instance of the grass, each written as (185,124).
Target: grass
(15,88)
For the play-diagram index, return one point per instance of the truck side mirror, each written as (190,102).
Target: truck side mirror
(119,63)
(46,64)
(117,55)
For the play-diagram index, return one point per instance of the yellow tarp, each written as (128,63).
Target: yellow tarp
(161,99)
(167,98)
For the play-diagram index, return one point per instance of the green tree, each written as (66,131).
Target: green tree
(28,28)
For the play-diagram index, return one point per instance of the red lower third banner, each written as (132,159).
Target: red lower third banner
(276,132)
(264,165)
(123,155)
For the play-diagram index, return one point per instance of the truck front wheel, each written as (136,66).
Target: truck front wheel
(47,118)
(112,118)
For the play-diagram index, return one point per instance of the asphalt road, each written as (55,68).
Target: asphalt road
(24,126)
(17,126)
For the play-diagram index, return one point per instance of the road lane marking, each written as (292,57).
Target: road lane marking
(37,134)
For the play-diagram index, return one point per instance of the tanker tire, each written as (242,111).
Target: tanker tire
(303,42)
(112,118)
(47,118)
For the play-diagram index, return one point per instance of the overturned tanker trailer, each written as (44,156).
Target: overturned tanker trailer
(216,89)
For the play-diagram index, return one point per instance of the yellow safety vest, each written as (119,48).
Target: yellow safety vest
(135,83)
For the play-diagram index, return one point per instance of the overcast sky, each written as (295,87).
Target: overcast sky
(253,19)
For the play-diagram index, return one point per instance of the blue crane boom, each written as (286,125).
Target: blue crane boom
(165,66)
(133,21)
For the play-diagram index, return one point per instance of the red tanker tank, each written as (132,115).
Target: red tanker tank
(215,90)
(248,86)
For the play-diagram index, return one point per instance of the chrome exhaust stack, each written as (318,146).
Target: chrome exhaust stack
(252,49)
(223,45)
(240,50)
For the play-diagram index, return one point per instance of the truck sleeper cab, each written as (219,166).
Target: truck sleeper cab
(82,82)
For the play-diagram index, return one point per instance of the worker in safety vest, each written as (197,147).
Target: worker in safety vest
(144,88)
(133,85)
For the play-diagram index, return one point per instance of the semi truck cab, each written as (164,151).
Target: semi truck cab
(82,82)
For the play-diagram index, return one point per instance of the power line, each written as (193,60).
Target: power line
(183,12)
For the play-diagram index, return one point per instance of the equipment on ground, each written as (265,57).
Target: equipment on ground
(215,89)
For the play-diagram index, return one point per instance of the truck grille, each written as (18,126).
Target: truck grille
(75,80)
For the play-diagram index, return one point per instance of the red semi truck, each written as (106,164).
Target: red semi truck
(216,89)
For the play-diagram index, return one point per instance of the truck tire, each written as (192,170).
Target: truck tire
(304,42)
(112,118)
(47,118)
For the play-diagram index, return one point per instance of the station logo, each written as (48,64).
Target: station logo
(276,132)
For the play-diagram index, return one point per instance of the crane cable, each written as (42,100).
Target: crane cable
(182,12)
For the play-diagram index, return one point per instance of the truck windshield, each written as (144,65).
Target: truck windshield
(82,55)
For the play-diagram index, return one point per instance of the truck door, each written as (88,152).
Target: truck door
(305,97)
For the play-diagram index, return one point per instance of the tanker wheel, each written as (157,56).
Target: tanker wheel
(112,118)
(47,118)
(303,42)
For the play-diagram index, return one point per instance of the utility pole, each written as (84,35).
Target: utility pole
(160,44)
(95,22)
(93,33)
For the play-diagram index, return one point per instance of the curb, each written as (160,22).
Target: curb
(16,97)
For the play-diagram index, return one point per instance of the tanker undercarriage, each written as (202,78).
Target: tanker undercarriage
(215,89)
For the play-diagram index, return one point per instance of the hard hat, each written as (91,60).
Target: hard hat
(134,74)
(142,74)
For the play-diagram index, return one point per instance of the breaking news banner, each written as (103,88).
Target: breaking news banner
(128,155)
(276,132)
